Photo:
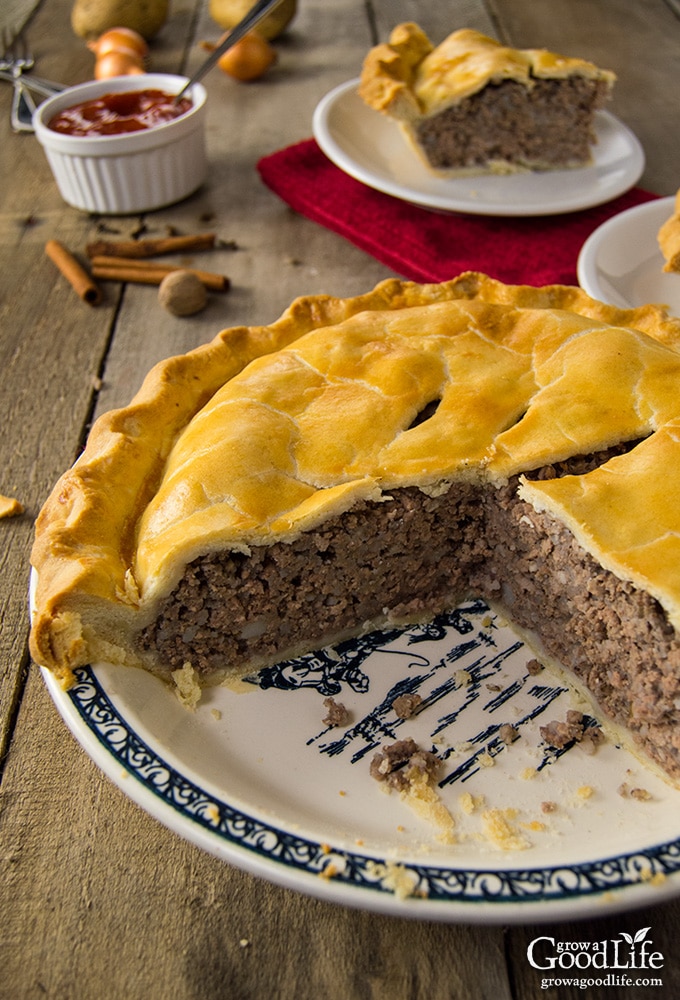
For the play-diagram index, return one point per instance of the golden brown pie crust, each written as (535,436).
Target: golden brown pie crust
(410,80)
(669,239)
(268,431)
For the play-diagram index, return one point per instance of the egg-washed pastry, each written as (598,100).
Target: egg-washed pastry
(669,239)
(472,105)
(376,460)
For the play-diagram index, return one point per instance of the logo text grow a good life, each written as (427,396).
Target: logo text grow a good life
(623,954)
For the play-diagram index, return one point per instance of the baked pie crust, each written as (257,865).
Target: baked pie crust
(669,239)
(270,433)
(415,83)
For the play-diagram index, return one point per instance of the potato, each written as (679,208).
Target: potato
(91,18)
(228,13)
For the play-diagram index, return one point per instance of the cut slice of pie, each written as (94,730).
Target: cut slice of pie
(377,459)
(472,105)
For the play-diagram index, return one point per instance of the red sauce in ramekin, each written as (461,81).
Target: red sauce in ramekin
(116,114)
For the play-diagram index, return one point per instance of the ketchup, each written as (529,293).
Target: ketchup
(114,114)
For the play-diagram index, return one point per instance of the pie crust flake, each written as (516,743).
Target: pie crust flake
(472,105)
(390,430)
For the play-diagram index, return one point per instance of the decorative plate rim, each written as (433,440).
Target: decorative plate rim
(485,894)
(588,260)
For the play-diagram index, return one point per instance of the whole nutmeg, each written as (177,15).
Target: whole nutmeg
(182,293)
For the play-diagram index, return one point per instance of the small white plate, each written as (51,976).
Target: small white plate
(372,148)
(256,778)
(621,263)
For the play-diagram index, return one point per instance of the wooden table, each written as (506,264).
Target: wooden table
(98,899)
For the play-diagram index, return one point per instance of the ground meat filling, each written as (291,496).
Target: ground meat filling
(549,124)
(400,763)
(412,556)
(615,638)
(407,554)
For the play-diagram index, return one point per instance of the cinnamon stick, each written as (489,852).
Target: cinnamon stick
(142,272)
(74,273)
(152,247)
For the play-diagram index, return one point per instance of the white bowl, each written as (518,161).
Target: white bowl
(130,172)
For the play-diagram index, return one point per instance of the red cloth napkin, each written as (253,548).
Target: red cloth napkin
(424,245)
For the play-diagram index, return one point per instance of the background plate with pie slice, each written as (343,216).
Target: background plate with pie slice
(621,262)
(372,148)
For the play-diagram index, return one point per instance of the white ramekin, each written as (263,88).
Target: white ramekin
(133,172)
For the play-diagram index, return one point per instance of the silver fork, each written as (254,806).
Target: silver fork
(45,88)
(17,58)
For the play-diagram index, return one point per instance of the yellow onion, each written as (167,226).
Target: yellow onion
(119,40)
(117,63)
(249,59)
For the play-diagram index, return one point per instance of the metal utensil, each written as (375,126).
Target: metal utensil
(15,60)
(26,87)
(21,112)
(253,17)
(46,88)
(16,54)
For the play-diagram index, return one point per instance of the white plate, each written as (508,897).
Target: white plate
(256,778)
(621,262)
(372,148)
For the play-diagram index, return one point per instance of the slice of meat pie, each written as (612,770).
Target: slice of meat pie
(472,105)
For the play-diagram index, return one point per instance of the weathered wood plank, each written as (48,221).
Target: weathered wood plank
(102,899)
(436,20)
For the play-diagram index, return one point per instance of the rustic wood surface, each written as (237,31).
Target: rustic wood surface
(97,899)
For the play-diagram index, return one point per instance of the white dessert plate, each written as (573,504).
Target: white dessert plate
(255,777)
(621,262)
(372,148)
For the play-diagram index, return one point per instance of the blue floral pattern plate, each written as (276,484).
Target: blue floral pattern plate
(255,776)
